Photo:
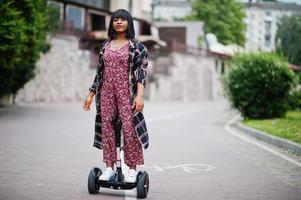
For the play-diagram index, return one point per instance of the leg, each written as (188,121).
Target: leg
(108,113)
(133,153)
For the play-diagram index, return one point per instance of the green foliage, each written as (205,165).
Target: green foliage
(12,37)
(224,18)
(258,84)
(22,36)
(294,99)
(288,38)
(288,127)
(53,16)
(299,77)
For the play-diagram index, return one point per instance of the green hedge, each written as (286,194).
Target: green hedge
(294,100)
(258,85)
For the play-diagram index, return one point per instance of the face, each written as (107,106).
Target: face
(120,25)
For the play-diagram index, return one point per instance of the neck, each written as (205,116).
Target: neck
(121,36)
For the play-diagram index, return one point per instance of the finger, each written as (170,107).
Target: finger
(86,107)
(136,108)
(134,104)
(139,108)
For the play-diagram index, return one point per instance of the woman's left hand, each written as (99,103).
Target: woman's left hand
(138,104)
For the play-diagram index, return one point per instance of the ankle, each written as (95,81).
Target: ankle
(110,165)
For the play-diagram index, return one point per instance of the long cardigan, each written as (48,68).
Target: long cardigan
(137,73)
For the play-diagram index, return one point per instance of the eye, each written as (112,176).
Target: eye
(123,19)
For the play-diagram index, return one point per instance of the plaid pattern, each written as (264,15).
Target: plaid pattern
(141,130)
(138,55)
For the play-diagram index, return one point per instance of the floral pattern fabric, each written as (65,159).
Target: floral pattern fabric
(137,64)
(115,101)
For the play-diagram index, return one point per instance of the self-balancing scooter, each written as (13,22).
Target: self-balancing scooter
(117,181)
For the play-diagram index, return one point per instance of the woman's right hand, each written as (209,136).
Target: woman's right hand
(87,102)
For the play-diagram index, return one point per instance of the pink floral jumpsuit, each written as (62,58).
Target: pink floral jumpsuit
(116,99)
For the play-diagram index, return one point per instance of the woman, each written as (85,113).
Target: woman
(119,85)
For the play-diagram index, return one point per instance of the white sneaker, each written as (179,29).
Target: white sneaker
(131,177)
(107,174)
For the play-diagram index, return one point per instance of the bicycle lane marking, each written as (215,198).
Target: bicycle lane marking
(131,194)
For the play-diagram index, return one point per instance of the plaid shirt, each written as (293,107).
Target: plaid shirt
(137,67)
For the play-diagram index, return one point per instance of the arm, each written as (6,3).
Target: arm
(138,103)
(92,90)
(141,63)
(88,101)
(141,75)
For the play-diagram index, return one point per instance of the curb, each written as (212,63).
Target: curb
(279,142)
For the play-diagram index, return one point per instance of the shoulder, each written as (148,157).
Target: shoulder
(138,45)
(104,44)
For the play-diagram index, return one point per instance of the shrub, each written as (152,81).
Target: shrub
(258,84)
(294,100)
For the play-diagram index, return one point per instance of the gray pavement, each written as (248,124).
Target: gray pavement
(46,153)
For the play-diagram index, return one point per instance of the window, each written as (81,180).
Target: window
(268,13)
(268,26)
(98,22)
(267,40)
(76,15)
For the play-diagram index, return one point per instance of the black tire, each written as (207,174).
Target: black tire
(93,185)
(143,185)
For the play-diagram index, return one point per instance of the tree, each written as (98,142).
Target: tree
(12,37)
(22,37)
(224,18)
(53,17)
(288,38)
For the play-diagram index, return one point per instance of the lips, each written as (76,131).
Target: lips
(118,26)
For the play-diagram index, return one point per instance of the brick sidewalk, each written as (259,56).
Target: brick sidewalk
(46,153)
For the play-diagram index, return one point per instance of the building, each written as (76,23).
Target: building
(87,15)
(89,20)
(261,20)
(67,71)
(138,8)
(170,10)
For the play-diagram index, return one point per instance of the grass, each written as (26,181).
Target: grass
(288,127)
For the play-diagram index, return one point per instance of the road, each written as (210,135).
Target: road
(46,153)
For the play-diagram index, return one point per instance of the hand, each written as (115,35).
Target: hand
(138,104)
(87,103)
